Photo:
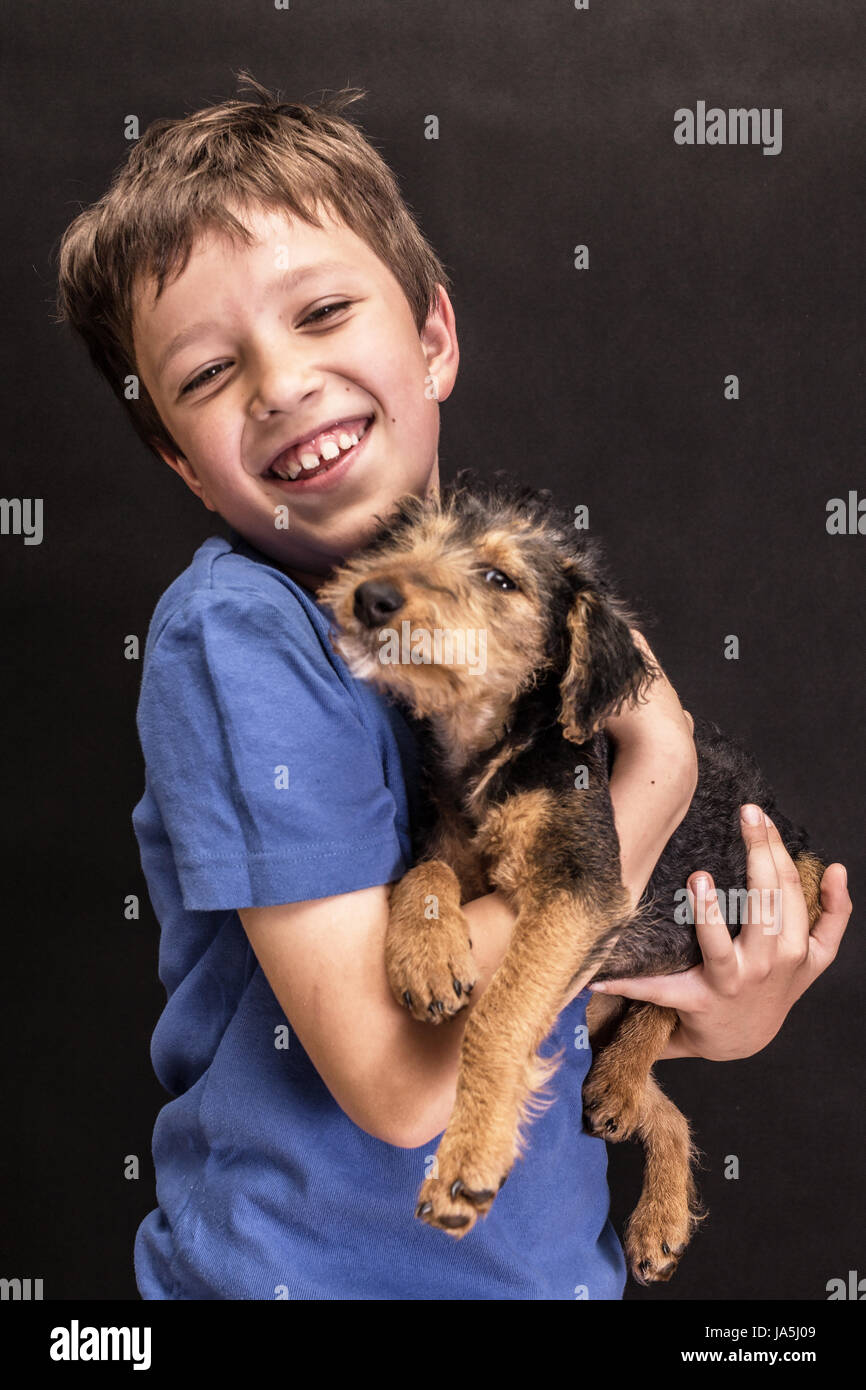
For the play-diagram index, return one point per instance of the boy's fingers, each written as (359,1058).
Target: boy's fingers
(670,991)
(794,917)
(759,933)
(720,959)
(836,903)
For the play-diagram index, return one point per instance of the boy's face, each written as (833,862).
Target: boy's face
(260,366)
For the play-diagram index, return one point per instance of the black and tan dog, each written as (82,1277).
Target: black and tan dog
(495,559)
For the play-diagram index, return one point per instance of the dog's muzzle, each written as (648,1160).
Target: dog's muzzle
(375,601)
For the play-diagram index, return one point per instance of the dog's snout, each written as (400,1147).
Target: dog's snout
(375,601)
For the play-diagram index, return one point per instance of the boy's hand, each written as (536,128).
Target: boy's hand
(734,1004)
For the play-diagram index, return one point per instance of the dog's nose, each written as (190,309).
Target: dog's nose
(376,600)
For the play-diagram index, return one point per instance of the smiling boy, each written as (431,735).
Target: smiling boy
(280,791)
(372,375)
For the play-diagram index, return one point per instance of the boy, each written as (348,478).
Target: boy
(256,269)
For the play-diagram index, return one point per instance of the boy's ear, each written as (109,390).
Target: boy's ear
(184,470)
(441,349)
(604,668)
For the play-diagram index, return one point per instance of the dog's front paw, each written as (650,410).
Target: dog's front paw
(431,970)
(612,1103)
(465,1188)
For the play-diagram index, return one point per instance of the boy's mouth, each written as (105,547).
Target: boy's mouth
(319,454)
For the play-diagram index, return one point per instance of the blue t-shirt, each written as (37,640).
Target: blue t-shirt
(273,776)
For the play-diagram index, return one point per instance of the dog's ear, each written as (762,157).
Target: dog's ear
(603,668)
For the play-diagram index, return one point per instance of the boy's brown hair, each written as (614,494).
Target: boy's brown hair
(179,179)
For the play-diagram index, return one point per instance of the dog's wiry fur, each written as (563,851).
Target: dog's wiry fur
(504,810)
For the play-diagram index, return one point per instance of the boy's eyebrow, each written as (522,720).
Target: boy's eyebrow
(287,281)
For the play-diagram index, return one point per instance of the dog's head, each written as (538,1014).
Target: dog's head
(470,597)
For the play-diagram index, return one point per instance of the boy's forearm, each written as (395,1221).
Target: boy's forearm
(652,783)
(650,791)
(653,777)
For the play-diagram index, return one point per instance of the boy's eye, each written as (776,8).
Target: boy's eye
(500,580)
(326,309)
(202,377)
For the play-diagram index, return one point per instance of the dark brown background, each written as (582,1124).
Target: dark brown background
(607,385)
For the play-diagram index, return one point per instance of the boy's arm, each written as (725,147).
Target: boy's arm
(733,1004)
(652,780)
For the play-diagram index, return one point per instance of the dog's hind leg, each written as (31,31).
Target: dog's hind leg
(811,871)
(662,1223)
(613,1093)
(623,1098)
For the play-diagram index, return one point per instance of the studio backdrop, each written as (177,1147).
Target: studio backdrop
(652,219)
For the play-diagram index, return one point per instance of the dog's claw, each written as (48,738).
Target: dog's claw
(424,1208)
(653,1270)
(458,988)
(407,999)
(458,1188)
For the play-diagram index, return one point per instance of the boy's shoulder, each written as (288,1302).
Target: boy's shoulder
(232,572)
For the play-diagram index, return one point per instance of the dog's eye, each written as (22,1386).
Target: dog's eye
(499,579)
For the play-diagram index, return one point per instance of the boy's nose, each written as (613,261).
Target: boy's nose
(376,600)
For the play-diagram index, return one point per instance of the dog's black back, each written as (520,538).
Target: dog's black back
(708,838)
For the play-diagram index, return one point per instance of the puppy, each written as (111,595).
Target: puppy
(516,796)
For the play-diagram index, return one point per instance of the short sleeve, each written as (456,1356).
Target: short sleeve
(269,783)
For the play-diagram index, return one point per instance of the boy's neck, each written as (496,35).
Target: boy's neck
(307,580)
(311,582)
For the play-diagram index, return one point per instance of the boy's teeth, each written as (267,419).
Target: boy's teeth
(330,449)
(288,470)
